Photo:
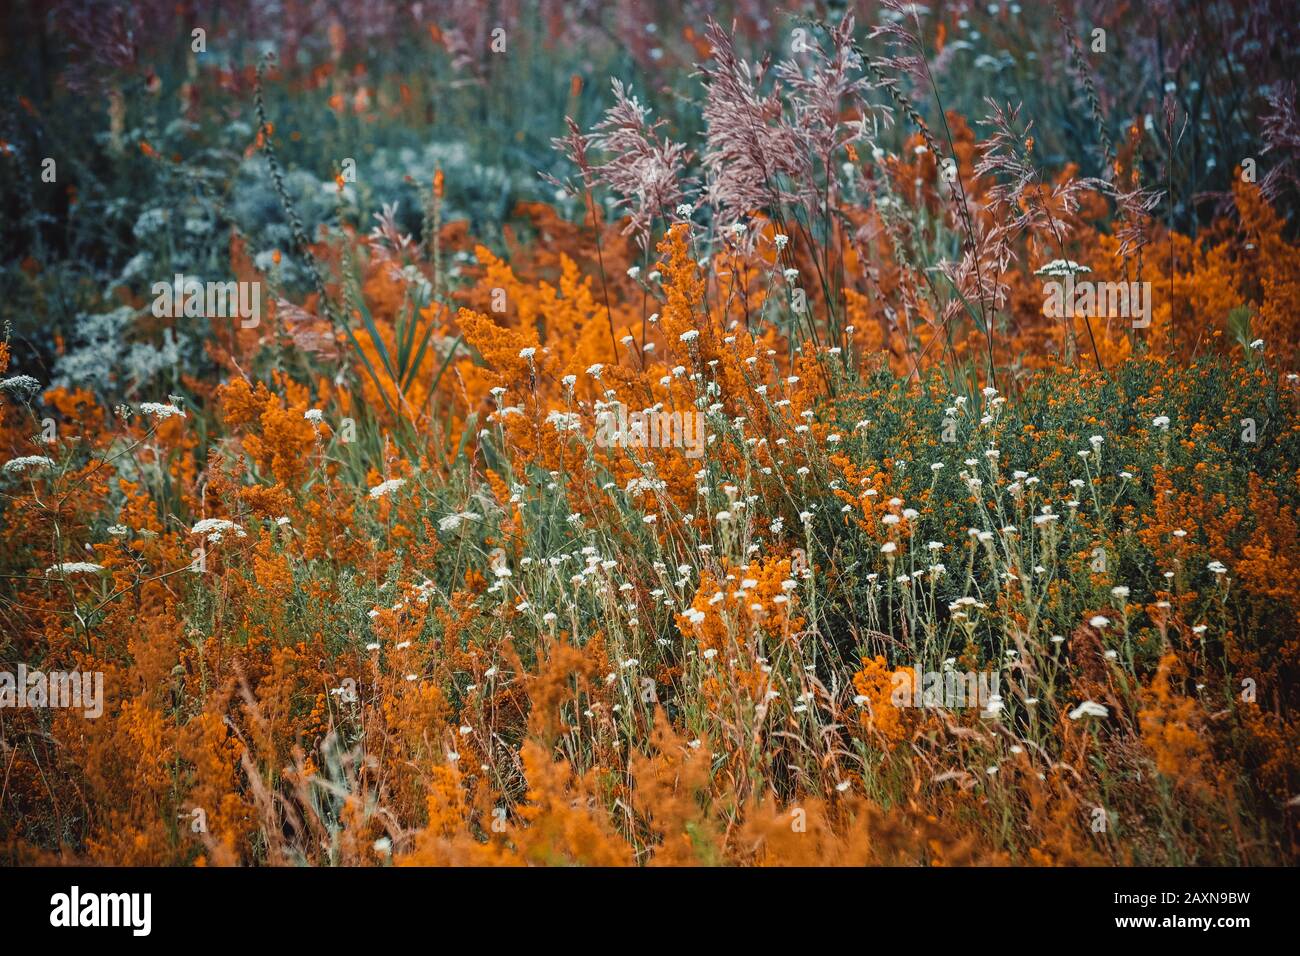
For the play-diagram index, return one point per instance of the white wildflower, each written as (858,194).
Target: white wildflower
(20,384)
(454,521)
(386,487)
(215,528)
(1061,267)
(15,466)
(75,567)
(1089,709)
(564,421)
(161,412)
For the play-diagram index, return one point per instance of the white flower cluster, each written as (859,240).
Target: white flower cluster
(564,421)
(386,487)
(215,528)
(453,522)
(16,466)
(75,567)
(1061,267)
(20,384)
(160,412)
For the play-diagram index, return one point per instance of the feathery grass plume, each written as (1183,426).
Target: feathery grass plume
(642,170)
(818,97)
(909,59)
(1280,128)
(752,157)
(1023,204)
(773,151)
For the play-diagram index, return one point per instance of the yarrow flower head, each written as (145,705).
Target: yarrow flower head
(1089,709)
(160,412)
(23,386)
(1061,267)
(386,487)
(564,421)
(16,466)
(452,522)
(215,528)
(75,567)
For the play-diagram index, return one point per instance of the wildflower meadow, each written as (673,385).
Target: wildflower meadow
(640,434)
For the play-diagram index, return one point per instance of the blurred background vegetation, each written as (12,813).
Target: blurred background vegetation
(152,126)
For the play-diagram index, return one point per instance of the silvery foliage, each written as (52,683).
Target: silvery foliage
(482,193)
(103,359)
